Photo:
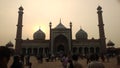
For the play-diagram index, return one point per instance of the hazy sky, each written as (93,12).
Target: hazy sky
(40,12)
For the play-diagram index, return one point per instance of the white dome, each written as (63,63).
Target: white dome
(81,35)
(39,35)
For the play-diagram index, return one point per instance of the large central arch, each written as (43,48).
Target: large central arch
(60,44)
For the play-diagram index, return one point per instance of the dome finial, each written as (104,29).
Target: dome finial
(21,8)
(60,20)
(50,24)
(70,24)
(39,27)
(99,8)
(80,27)
(99,1)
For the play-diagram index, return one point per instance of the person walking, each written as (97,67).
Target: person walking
(118,59)
(94,62)
(5,54)
(70,64)
(17,63)
(65,61)
(76,64)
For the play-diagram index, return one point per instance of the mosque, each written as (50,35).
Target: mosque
(60,39)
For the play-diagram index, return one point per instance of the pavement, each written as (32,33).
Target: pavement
(57,64)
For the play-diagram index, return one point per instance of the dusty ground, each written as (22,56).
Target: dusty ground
(57,64)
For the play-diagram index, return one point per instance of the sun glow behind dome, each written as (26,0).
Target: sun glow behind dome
(42,27)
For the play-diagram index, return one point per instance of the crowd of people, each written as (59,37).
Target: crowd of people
(67,61)
(18,60)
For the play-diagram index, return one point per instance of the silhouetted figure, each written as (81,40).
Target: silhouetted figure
(102,58)
(40,58)
(88,58)
(107,57)
(94,62)
(76,64)
(22,58)
(27,59)
(17,63)
(118,59)
(30,65)
(4,56)
(53,57)
(48,58)
(70,64)
(64,61)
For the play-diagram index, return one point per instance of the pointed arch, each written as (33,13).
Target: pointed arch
(62,42)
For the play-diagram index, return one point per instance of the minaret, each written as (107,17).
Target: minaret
(50,47)
(19,31)
(101,29)
(71,36)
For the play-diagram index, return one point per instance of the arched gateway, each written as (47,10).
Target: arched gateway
(60,44)
(60,39)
